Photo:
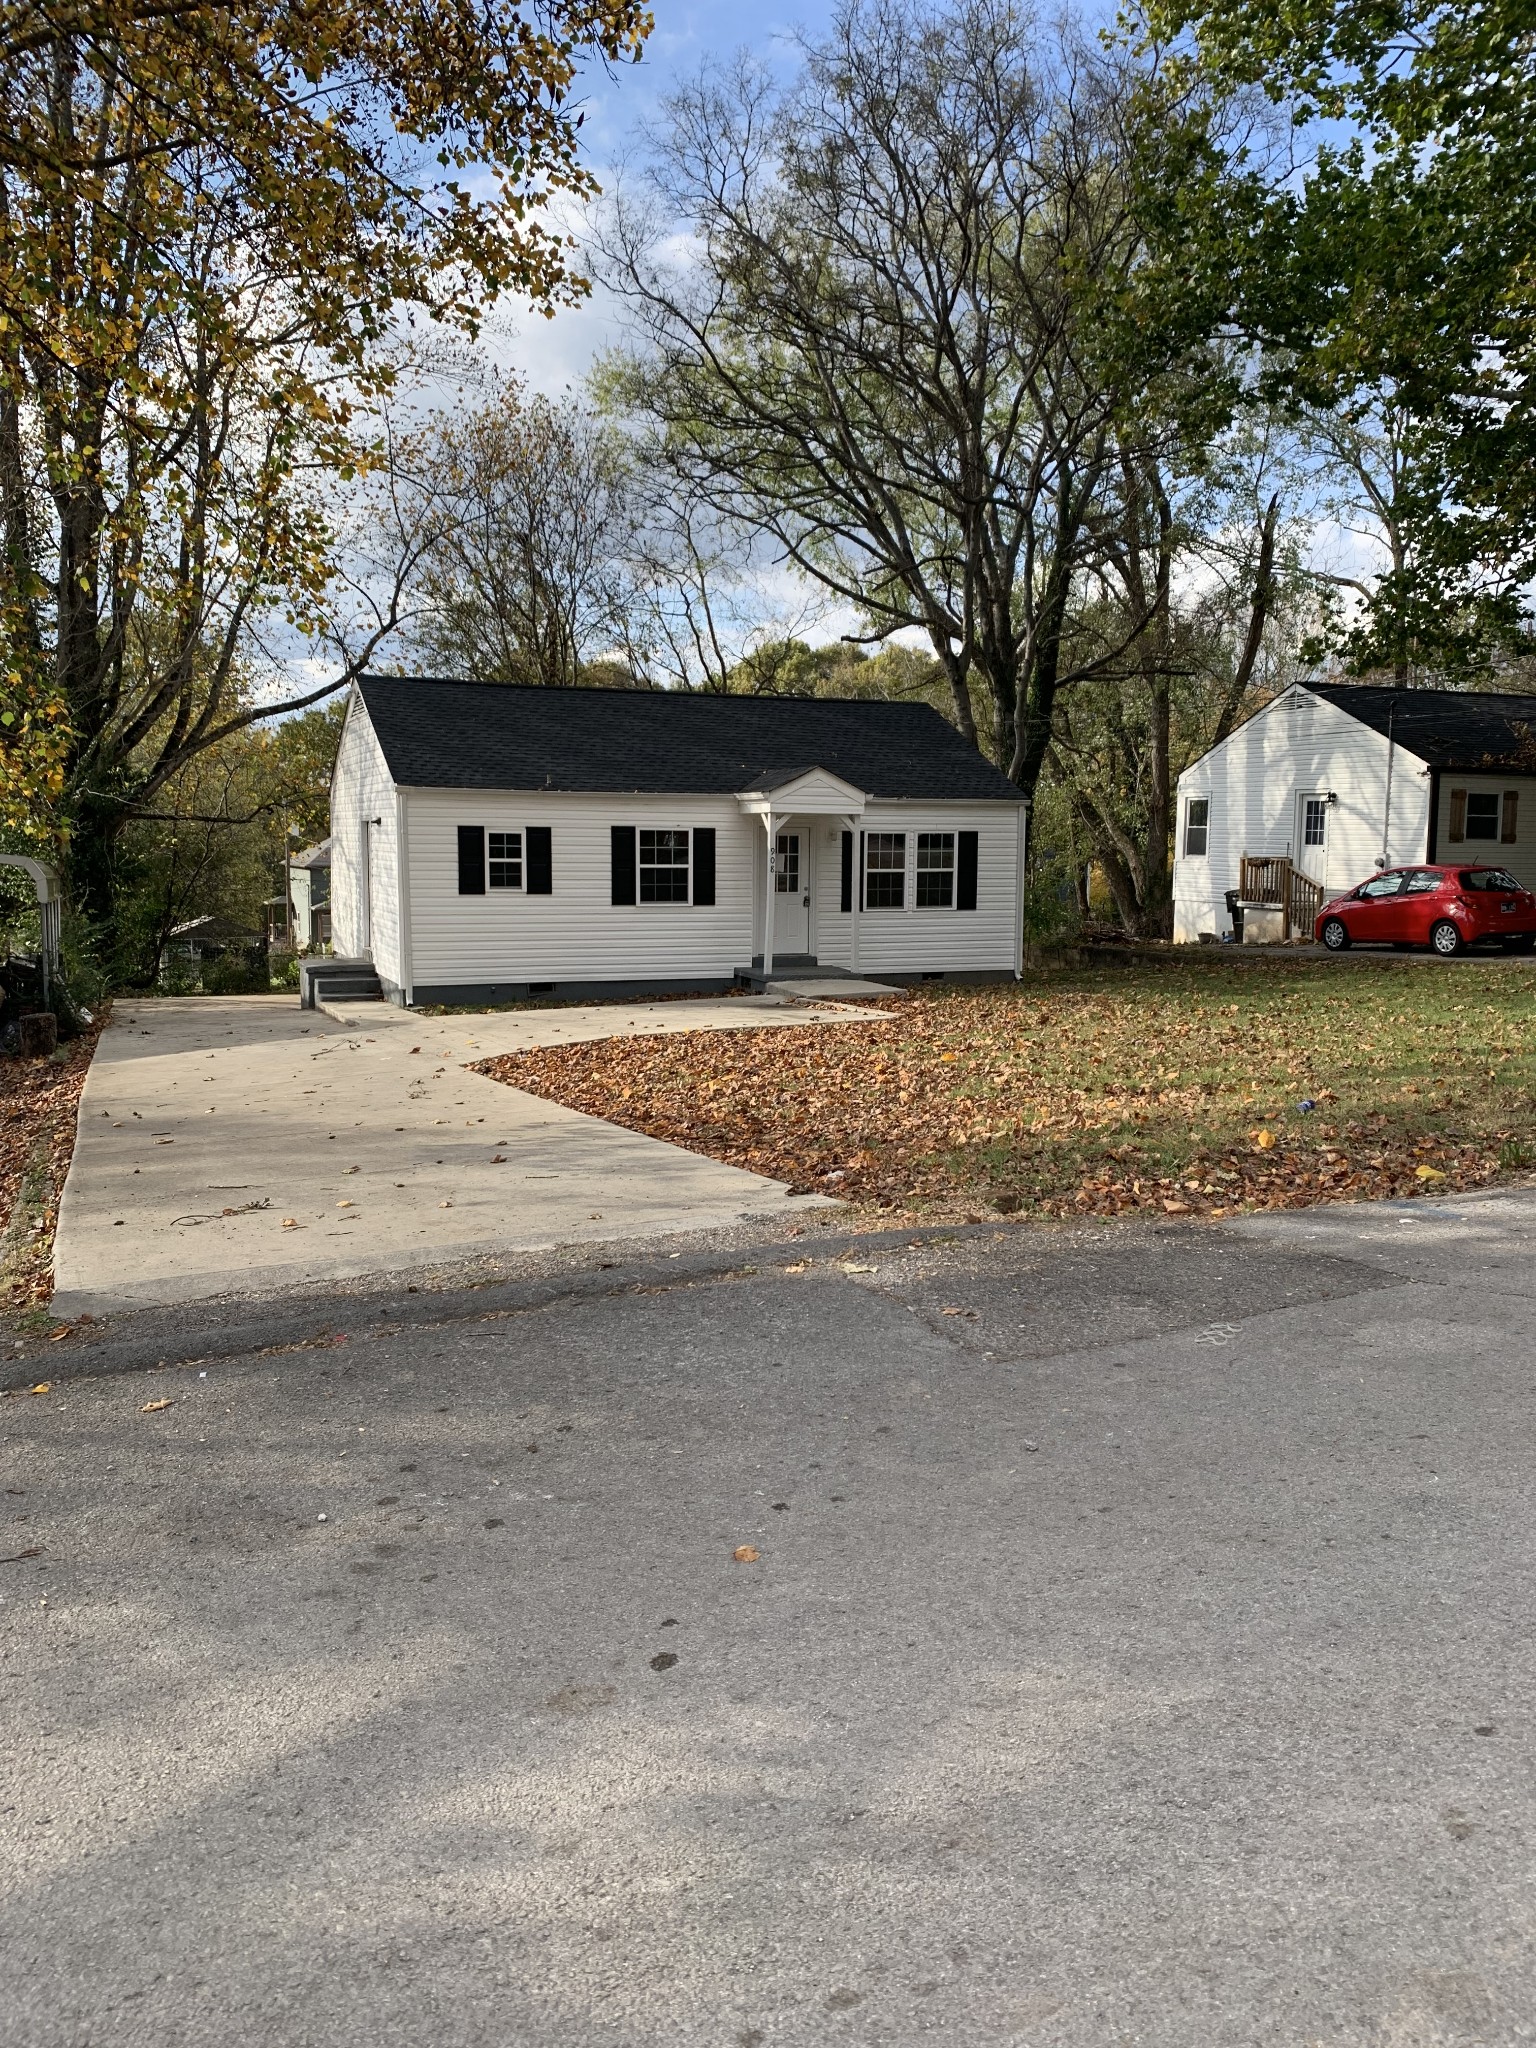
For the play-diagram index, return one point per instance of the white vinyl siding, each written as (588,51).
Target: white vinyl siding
(923,939)
(575,933)
(1257,784)
(362,790)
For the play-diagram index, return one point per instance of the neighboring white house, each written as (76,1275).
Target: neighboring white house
(309,897)
(489,842)
(1344,778)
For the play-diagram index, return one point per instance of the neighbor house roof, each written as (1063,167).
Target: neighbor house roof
(316,856)
(455,735)
(1465,729)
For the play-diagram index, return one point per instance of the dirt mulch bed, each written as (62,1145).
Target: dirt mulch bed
(1180,1091)
(39,1102)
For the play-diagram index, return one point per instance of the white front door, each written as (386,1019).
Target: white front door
(1312,834)
(791,894)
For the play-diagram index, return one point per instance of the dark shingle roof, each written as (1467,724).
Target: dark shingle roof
(1470,730)
(451,735)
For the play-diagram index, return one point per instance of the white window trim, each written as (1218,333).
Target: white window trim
(952,833)
(909,855)
(670,902)
(519,887)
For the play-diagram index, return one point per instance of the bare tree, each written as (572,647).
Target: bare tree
(886,344)
(524,580)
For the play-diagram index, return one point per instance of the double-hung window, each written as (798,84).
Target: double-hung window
(1482,814)
(885,870)
(663,867)
(1197,826)
(505,855)
(935,870)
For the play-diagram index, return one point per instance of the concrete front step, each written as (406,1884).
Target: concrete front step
(322,980)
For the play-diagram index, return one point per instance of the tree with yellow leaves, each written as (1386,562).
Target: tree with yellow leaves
(215,225)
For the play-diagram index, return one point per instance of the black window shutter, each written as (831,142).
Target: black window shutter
(966,847)
(541,861)
(847,899)
(704,864)
(471,860)
(623,864)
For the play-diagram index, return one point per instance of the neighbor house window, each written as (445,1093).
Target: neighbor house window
(885,870)
(1314,821)
(663,867)
(505,852)
(1197,825)
(1482,814)
(935,870)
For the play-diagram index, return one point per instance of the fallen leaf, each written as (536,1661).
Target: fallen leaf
(745,1554)
(1265,1140)
(849,1267)
(1428,1173)
(154,1407)
(18,1556)
(42,1387)
(347,1204)
(1176,1208)
(290,1223)
(56,1334)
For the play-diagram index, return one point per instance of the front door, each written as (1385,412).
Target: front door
(791,896)
(1312,835)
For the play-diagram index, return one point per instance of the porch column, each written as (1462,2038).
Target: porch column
(853,903)
(768,821)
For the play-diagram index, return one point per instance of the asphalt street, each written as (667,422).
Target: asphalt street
(1135,1646)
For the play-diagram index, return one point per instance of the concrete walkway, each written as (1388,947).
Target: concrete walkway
(241,1145)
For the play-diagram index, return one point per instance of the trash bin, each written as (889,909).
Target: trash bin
(1235,912)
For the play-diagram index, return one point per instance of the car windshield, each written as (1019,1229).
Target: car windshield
(1492,880)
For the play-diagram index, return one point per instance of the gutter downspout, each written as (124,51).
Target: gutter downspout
(403,899)
(1386,821)
(1018,894)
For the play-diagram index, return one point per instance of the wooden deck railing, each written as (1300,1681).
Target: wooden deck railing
(1275,878)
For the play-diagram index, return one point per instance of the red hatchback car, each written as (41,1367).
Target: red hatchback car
(1444,908)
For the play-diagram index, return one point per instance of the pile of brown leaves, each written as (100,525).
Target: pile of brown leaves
(1146,1089)
(39,1102)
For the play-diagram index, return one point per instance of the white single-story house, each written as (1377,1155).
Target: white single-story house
(491,842)
(1332,780)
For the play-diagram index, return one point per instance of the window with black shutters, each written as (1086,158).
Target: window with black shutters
(885,870)
(663,867)
(935,870)
(506,860)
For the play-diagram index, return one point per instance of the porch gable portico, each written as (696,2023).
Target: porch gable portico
(780,798)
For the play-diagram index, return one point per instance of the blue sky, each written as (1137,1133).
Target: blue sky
(555,353)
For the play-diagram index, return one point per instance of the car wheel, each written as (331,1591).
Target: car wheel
(1445,939)
(1336,935)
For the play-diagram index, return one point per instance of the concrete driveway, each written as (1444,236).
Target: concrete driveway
(1137,1651)
(241,1144)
